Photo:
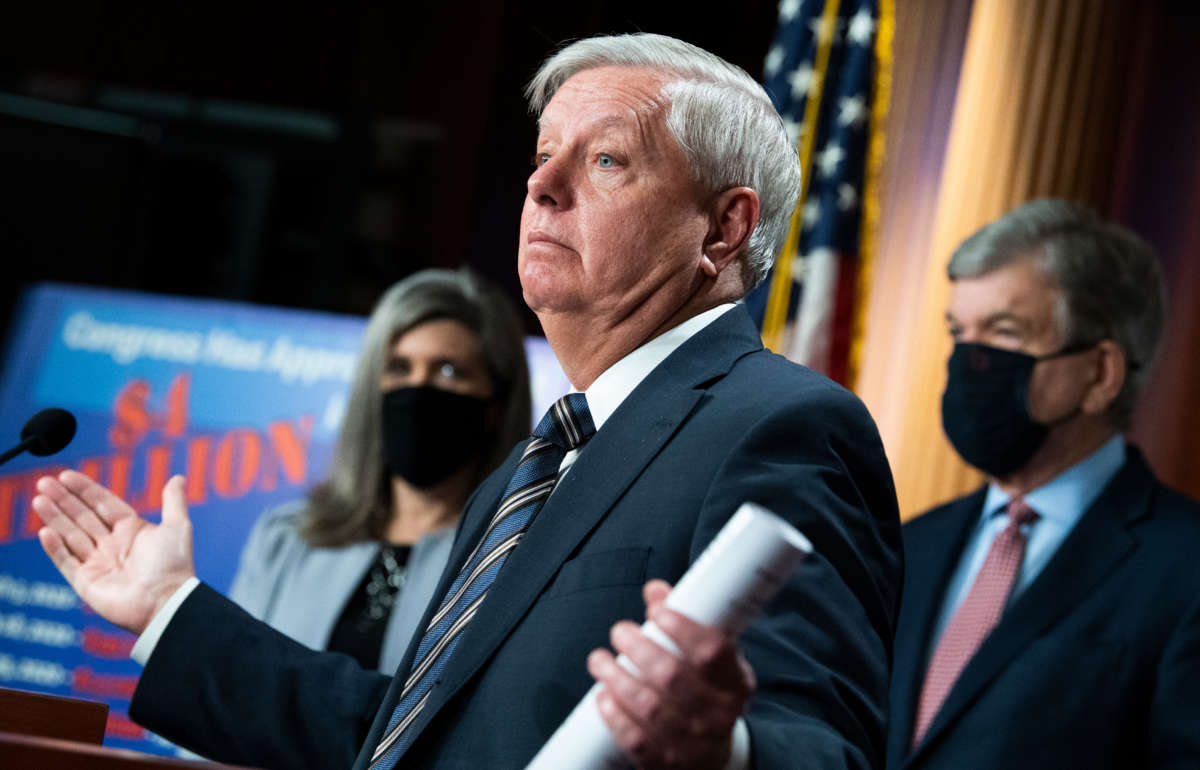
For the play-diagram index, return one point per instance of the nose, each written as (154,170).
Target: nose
(421,374)
(548,184)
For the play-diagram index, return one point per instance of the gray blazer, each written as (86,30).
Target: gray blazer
(301,590)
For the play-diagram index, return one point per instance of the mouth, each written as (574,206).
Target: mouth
(542,237)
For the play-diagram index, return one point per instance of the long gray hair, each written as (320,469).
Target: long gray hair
(354,502)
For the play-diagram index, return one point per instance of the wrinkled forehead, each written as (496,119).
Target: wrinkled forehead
(612,93)
(1019,289)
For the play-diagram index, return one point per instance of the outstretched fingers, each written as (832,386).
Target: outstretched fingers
(56,548)
(77,528)
(96,497)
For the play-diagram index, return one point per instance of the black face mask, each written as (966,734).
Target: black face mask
(985,409)
(429,433)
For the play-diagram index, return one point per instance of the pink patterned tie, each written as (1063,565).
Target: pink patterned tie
(976,617)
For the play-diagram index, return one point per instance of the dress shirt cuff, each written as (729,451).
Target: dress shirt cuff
(144,647)
(739,749)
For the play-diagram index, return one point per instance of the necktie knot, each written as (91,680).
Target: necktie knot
(568,422)
(1019,513)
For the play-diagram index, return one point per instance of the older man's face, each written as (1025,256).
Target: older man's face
(1014,307)
(613,217)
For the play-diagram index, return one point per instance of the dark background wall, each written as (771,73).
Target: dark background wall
(302,154)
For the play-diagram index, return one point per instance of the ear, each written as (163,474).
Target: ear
(734,214)
(1109,378)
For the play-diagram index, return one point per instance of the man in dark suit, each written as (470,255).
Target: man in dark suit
(633,252)
(1052,618)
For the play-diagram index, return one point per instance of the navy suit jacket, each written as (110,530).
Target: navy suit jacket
(719,422)
(1097,662)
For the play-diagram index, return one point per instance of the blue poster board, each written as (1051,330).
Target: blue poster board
(244,400)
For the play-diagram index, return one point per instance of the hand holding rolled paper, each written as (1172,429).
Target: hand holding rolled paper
(673,696)
(679,709)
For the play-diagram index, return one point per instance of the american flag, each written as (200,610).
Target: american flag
(828,72)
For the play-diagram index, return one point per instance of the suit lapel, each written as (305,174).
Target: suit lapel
(605,468)
(476,514)
(929,561)
(577,505)
(1099,542)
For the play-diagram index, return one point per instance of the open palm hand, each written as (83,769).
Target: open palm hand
(123,566)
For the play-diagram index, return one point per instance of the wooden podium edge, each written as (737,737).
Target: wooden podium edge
(55,753)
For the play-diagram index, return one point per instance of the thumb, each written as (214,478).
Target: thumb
(174,511)
(656,591)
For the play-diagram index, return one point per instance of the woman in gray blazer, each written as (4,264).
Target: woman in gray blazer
(440,395)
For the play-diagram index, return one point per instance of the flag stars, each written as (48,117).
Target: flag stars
(788,10)
(794,130)
(804,80)
(862,28)
(847,197)
(852,111)
(824,29)
(829,158)
(798,269)
(774,60)
(811,213)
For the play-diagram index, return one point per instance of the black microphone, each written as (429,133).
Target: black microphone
(47,432)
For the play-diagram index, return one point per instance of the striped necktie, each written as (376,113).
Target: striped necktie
(976,617)
(566,426)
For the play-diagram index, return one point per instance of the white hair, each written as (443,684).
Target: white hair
(723,120)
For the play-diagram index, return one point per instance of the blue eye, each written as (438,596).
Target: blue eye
(605,161)
(541,159)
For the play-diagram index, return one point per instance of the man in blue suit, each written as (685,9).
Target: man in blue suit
(662,188)
(1052,618)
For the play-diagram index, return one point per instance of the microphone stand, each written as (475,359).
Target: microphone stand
(28,443)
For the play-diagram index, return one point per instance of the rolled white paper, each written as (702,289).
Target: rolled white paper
(741,569)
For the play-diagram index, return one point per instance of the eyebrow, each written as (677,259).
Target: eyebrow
(1002,315)
(464,361)
(1005,315)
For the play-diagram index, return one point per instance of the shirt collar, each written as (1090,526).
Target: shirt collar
(618,381)
(1068,495)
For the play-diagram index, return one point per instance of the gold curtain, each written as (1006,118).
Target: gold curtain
(1036,112)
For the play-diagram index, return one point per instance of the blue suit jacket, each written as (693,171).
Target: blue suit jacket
(1096,664)
(720,421)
